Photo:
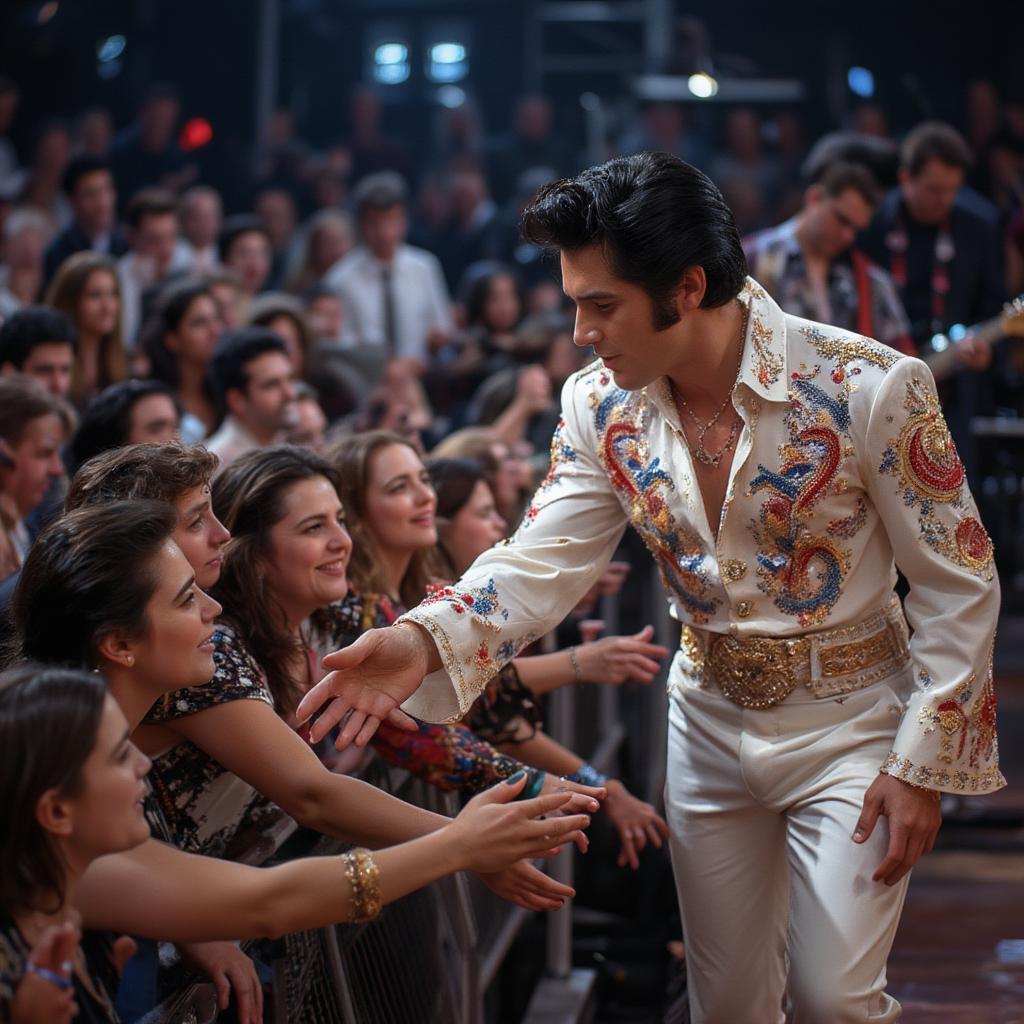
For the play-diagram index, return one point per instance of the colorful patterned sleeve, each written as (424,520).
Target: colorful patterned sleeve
(446,756)
(520,590)
(946,739)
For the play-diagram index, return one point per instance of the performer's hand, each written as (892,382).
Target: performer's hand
(914,820)
(371,678)
(637,822)
(524,884)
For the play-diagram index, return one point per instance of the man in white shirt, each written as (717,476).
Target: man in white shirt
(394,294)
(201,213)
(776,469)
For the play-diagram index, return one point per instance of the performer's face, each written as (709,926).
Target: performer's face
(617,319)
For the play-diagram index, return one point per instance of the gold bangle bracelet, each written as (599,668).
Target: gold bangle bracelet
(575,665)
(364,878)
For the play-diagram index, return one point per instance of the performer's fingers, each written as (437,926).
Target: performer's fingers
(894,855)
(868,817)
(911,855)
(351,729)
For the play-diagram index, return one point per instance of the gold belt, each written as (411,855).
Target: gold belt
(760,671)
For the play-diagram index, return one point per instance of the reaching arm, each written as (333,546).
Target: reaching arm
(156,891)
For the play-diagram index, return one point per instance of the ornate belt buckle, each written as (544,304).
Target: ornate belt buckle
(755,672)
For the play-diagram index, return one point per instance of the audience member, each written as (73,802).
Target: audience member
(201,214)
(276,209)
(34,425)
(283,314)
(39,342)
(474,233)
(328,238)
(89,185)
(108,587)
(179,340)
(87,291)
(10,96)
(254,385)
(245,248)
(51,151)
(130,412)
(394,294)
(25,232)
(94,132)
(325,313)
(152,258)
(310,426)
(372,150)
(532,143)
(811,267)
(146,154)
(229,293)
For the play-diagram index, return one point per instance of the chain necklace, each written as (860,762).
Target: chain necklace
(700,453)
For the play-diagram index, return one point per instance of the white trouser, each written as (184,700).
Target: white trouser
(762,805)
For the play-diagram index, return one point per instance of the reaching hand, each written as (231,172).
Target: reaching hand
(229,968)
(527,886)
(493,832)
(369,680)
(637,822)
(39,998)
(582,800)
(914,818)
(621,659)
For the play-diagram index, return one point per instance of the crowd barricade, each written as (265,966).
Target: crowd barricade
(431,957)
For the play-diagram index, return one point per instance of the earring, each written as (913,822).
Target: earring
(130,660)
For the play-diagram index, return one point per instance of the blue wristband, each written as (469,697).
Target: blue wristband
(587,775)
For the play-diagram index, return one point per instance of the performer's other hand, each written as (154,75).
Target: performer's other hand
(370,678)
(914,820)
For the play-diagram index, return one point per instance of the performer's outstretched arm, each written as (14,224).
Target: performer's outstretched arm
(510,596)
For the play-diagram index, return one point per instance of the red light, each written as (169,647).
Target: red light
(195,134)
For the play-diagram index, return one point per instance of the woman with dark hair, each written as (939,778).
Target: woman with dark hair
(493,300)
(86,289)
(106,587)
(74,789)
(468,524)
(179,340)
(129,412)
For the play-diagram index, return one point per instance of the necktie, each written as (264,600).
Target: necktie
(390,315)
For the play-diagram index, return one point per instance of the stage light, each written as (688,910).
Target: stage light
(47,12)
(861,82)
(110,49)
(390,63)
(195,133)
(702,85)
(447,62)
(451,96)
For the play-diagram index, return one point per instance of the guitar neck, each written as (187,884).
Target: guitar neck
(944,364)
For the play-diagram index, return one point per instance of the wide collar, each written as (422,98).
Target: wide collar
(763,368)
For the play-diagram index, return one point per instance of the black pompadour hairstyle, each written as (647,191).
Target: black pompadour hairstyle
(655,216)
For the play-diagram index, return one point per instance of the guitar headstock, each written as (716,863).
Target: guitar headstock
(1012,319)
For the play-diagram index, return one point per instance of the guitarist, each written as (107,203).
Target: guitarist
(941,244)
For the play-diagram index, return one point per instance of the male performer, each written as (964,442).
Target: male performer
(776,469)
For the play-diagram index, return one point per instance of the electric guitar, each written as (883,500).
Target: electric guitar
(942,360)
